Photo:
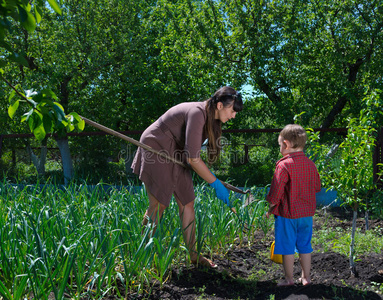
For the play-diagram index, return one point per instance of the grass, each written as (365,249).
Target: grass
(83,242)
(338,239)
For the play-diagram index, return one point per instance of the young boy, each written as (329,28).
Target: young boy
(292,201)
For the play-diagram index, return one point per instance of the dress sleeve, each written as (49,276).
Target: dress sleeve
(195,122)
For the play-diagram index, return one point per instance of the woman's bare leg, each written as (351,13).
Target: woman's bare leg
(187,217)
(154,211)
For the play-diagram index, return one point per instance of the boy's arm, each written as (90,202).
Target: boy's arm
(277,187)
(317,183)
(269,212)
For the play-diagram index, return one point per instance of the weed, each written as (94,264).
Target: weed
(377,287)
(257,274)
(202,289)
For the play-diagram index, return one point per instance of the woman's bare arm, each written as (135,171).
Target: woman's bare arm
(201,169)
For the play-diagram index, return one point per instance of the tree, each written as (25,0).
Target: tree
(314,56)
(117,60)
(354,179)
(132,60)
(349,172)
(46,114)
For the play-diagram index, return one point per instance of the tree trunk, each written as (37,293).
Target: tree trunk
(66,159)
(128,156)
(1,145)
(352,250)
(340,104)
(336,110)
(39,161)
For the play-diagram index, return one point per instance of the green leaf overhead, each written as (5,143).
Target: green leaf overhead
(13,108)
(55,6)
(27,19)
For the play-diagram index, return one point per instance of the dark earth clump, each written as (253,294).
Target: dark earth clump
(246,272)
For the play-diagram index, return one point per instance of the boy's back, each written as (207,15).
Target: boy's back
(295,183)
(292,201)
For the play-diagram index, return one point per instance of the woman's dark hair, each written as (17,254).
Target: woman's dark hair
(229,97)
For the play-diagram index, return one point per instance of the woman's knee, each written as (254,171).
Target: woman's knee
(155,208)
(188,208)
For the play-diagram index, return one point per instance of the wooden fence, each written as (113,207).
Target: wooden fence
(377,156)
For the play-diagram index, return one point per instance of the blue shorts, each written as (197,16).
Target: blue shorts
(293,235)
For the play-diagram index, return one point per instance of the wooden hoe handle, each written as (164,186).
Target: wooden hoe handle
(146,147)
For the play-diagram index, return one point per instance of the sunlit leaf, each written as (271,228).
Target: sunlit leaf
(23,14)
(49,94)
(31,122)
(56,7)
(59,105)
(27,19)
(80,123)
(39,132)
(11,95)
(13,108)
(38,13)
(59,114)
(70,127)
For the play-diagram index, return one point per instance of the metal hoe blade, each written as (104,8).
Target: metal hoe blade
(249,199)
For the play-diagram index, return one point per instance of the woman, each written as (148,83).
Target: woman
(179,133)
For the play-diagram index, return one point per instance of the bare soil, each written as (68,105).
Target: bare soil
(246,272)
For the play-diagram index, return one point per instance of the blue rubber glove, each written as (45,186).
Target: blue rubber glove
(221,191)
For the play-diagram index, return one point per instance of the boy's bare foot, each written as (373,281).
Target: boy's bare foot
(204,262)
(304,281)
(285,283)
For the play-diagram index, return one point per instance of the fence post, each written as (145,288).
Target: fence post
(378,158)
(246,154)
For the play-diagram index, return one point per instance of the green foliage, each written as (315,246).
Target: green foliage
(102,62)
(28,14)
(370,241)
(46,114)
(257,171)
(338,240)
(354,178)
(349,171)
(325,155)
(376,204)
(124,63)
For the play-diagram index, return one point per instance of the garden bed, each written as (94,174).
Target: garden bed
(246,272)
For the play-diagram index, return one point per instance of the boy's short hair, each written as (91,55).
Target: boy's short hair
(295,134)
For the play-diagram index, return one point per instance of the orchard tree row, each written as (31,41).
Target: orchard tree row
(123,63)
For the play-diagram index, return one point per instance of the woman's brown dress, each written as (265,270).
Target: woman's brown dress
(179,133)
